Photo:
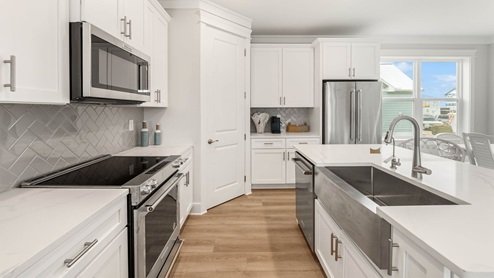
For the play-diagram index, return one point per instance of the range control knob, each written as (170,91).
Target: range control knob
(146,189)
(152,183)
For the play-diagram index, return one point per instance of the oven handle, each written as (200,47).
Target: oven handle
(151,208)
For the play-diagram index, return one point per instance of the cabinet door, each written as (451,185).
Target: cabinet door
(107,15)
(268,166)
(336,60)
(298,77)
(290,166)
(39,41)
(266,77)
(412,261)
(325,231)
(365,61)
(186,192)
(112,261)
(157,43)
(134,11)
(354,264)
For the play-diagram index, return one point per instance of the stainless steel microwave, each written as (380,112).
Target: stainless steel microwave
(105,70)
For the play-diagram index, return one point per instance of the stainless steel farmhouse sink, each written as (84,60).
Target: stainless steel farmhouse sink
(351,195)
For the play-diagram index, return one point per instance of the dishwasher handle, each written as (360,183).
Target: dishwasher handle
(304,167)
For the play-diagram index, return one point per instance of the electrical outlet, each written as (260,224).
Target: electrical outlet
(131,125)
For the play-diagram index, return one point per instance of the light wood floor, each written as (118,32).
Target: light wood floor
(251,236)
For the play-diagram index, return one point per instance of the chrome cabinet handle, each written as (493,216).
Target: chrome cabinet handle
(336,249)
(157,96)
(130,29)
(353,72)
(288,156)
(280,100)
(211,141)
(284,100)
(87,246)
(283,156)
(187,179)
(349,72)
(124,20)
(13,63)
(391,268)
(332,244)
(268,143)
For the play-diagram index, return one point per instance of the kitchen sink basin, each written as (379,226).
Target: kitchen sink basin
(385,189)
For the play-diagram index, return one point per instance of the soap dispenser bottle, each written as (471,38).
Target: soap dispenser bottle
(157,135)
(144,134)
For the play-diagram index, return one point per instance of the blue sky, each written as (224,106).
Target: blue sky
(438,78)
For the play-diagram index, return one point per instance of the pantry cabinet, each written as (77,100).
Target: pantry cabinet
(272,159)
(34,52)
(348,60)
(186,187)
(156,44)
(282,76)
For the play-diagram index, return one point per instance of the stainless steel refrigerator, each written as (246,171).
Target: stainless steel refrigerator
(352,112)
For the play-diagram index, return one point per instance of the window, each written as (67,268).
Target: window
(427,89)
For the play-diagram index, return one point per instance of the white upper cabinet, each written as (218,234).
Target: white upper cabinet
(34,52)
(156,44)
(123,19)
(282,76)
(341,60)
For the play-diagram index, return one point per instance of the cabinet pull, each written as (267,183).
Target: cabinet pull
(130,29)
(124,20)
(332,244)
(353,72)
(87,246)
(13,63)
(284,100)
(336,249)
(157,100)
(280,100)
(349,72)
(266,143)
(288,156)
(187,181)
(302,143)
(283,156)
(159,95)
(391,268)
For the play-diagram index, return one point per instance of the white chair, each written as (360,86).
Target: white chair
(479,150)
(450,137)
(438,147)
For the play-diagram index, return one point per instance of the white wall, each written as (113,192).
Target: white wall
(490,92)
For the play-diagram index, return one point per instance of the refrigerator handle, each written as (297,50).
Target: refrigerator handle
(352,115)
(359,115)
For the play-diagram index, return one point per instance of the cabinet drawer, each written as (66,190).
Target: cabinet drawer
(300,141)
(268,143)
(100,232)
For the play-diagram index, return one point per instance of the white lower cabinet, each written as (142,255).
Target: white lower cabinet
(272,159)
(98,249)
(185,188)
(410,260)
(335,251)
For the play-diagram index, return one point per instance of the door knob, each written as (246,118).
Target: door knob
(211,141)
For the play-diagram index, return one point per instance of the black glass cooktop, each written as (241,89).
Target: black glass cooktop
(114,171)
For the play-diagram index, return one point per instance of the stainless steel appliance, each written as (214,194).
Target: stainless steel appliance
(352,112)
(304,194)
(103,69)
(154,210)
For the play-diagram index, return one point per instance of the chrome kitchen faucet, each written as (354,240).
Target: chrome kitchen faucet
(417,168)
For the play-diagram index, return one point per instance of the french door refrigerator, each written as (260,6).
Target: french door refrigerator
(352,112)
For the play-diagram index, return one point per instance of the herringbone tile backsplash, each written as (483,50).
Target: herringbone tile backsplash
(37,139)
(296,115)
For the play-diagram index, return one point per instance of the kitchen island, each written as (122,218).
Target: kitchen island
(458,236)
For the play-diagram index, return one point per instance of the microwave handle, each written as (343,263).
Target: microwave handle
(142,76)
(151,208)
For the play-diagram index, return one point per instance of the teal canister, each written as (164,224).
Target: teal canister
(144,135)
(157,135)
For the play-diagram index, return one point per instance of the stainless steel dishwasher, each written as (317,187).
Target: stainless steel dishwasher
(304,186)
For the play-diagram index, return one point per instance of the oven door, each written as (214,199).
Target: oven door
(156,229)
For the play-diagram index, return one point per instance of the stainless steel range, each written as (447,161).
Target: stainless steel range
(154,210)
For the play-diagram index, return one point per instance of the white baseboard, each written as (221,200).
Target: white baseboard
(274,186)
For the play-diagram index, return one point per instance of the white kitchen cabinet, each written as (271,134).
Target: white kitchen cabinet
(113,261)
(272,159)
(123,19)
(156,44)
(268,166)
(411,261)
(347,60)
(185,188)
(336,252)
(282,76)
(37,38)
(104,237)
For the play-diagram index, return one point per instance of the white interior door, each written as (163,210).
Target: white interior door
(223,111)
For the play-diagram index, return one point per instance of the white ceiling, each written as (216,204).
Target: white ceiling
(367,17)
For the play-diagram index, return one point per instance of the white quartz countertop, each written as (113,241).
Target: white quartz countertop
(461,237)
(35,221)
(153,150)
(284,135)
